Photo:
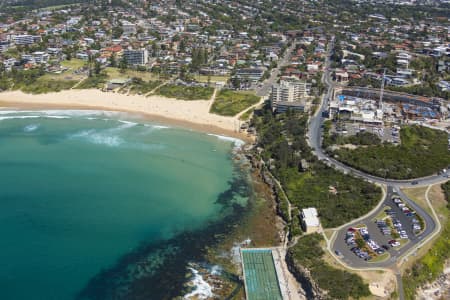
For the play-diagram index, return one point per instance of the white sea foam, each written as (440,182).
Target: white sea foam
(12,117)
(156,126)
(202,289)
(31,127)
(128,122)
(18,117)
(237,142)
(56,117)
(216,270)
(98,138)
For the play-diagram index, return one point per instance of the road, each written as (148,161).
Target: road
(314,137)
(266,86)
(353,261)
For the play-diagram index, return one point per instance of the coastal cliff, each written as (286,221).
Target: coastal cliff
(303,276)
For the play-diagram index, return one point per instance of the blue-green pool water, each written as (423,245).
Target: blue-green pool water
(97,205)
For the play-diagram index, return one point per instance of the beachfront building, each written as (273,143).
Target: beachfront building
(136,57)
(310,220)
(290,93)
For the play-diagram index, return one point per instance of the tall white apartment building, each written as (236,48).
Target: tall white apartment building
(136,57)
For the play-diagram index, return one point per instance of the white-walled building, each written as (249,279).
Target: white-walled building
(136,57)
(290,93)
(310,220)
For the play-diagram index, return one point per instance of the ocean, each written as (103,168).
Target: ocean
(105,205)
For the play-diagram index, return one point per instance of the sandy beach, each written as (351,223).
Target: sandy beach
(190,114)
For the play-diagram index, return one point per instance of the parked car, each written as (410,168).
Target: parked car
(394,243)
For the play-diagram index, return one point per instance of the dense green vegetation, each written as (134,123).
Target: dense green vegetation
(338,283)
(295,225)
(422,152)
(139,86)
(93,82)
(338,198)
(33,81)
(47,86)
(230,103)
(282,205)
(185,92)
(446,189)
(361,138)
(429,267)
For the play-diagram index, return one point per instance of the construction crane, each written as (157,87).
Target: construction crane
(380,103)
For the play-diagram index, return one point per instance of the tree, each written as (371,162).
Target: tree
(123,64)
(97,68)
(113,60)
(182,46)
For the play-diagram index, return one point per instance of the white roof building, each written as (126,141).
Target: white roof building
(310,219)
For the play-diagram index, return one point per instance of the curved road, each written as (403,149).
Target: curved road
(314,137)
(315,140)
(353,261)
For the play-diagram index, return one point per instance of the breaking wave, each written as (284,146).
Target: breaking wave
(202,289)
(31,127)
(98,138)
(237,142)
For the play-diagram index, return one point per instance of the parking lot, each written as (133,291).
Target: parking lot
(385,133)
(392,229)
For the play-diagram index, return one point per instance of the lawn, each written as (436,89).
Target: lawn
(73,64)
(204,78)
(230,103)
(185,92)
(423,151)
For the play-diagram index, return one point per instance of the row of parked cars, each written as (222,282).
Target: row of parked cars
(408,212)
(386,230)
(350,240)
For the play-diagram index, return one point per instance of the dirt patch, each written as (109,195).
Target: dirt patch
(381,283)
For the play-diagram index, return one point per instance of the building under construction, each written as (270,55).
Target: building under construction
(372,105)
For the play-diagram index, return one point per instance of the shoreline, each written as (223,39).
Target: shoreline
(192,114)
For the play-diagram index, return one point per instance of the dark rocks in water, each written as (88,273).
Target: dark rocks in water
(158,270)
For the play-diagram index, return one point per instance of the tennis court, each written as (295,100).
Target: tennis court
(261,281)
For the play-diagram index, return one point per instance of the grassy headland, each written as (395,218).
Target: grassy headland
(308,182)
(230,103)
(185,92)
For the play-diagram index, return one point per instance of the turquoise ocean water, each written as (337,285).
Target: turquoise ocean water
(102,205)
